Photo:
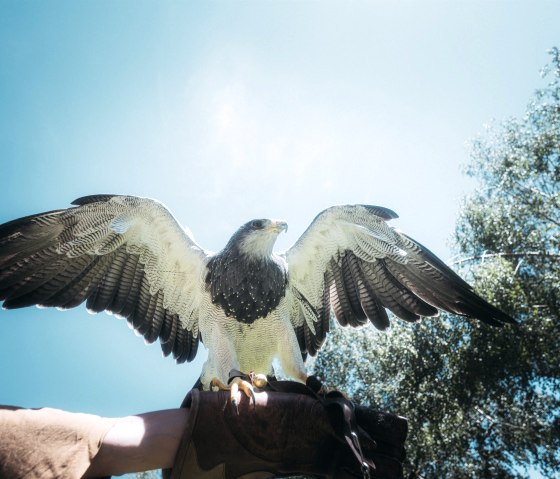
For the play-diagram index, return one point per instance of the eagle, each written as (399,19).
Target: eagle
(247,303)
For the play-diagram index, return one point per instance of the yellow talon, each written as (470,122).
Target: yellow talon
(233,388)
(259,380)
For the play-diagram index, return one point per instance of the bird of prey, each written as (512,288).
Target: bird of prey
(247,304)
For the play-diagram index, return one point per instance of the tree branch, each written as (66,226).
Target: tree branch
(482,257)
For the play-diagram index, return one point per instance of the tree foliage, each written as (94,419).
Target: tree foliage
(482,401)
(156,474)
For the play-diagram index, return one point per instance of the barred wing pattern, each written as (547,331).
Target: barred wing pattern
(120,254)
(350,262)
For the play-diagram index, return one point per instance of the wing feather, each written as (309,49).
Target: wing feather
(393,295)
(157,321)
(124,285)
(134,293)
(168,333)
(324,324)
(142,304)
(77,290)
(351,263)
(145,324)
(109,284)
(342,307)
(350,274)
(121,254)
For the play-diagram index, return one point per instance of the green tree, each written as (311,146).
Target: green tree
(482,401)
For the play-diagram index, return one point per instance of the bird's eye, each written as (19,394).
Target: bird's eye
(257,224)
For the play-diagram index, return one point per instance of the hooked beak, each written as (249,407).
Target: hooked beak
(279,225)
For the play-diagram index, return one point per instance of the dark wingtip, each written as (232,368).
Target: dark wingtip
(385,213)
(84,200)
(488,314)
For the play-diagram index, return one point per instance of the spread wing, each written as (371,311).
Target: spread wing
(351,262)
(122,254)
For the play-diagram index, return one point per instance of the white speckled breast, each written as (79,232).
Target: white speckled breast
(246,347)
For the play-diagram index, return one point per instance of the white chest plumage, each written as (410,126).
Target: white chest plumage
(248,347)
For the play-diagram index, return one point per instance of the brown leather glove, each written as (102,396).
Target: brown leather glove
(285,433)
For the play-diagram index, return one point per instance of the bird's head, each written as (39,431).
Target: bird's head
(257,237)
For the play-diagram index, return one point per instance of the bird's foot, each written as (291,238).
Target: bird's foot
(217,385)
(240,381)
(258,380)
(235,396)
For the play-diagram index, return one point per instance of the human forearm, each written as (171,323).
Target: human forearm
(140,443)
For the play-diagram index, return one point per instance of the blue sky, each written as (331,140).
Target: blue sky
(228,111)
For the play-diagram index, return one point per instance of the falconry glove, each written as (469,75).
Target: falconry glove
(288,430)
